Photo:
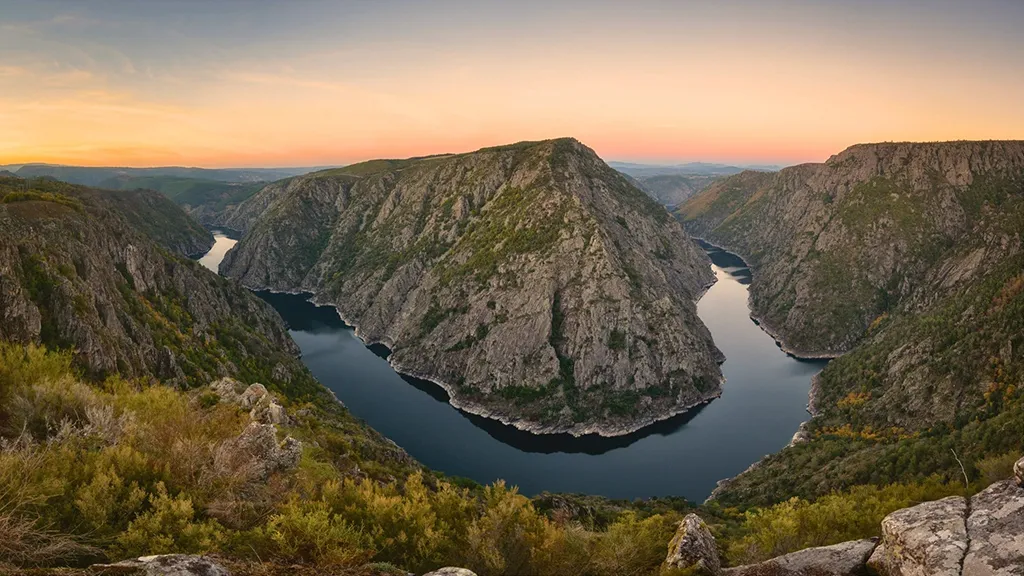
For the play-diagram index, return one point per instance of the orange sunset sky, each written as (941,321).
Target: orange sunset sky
(302,83)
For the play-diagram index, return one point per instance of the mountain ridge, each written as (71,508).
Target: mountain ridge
(463,249)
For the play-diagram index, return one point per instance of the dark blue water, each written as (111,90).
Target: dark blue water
(762,405)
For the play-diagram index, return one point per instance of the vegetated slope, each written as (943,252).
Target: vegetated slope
(911,256)
(532,280)
(674,189)
(875,228)
(205,200)
(103,272)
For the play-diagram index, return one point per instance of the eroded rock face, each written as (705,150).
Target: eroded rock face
(825,239)
(995,528)
(99,274)
(929,539)
(164,565)
(532,282)
(845,559)
(693,546)
(1018,472)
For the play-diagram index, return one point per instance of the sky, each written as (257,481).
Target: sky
(302,83)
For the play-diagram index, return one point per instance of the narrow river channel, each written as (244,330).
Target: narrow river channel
(763,403)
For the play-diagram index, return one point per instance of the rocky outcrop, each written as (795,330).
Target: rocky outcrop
(844,559)
(955,536)
(694,548)
(995,532)
(163,565)
(532,281)
(78,270)
(263,406)
(258,442)
(929,539)
(1018,472)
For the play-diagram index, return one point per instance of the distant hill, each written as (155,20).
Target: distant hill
(690,168)
(202,192)
(95,176)
(673,184)
(7,174)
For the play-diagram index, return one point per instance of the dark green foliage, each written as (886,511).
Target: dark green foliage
(617,339)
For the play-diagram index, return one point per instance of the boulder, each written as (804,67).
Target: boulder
(451,571)
(1018,472)
(164,565)
(929,539)
(269,411)
(227,389)
(259,442)
(845,559)
(694,547)
(252,396)
(996,531)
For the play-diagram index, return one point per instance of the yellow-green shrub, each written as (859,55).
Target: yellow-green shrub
(170,526)
(838,517)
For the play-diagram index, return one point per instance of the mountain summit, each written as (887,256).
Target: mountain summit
(531,281)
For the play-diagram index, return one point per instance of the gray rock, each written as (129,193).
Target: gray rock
(252,396)
(693,546)
(1018,472)
(259,442)
(269,411)
(227,389)
(451,571)
(845,559)
(164,565)
(929,539)
(996,531)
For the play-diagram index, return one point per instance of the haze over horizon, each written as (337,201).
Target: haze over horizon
(245,84)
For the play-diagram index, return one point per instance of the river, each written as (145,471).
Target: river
(763,403)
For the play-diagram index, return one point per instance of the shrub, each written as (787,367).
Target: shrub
(307,531)
(632,546)
(837,517)
(169,527)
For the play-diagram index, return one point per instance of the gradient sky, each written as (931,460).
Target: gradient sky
(231,83)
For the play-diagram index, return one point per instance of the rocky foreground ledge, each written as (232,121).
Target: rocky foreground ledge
(956,536)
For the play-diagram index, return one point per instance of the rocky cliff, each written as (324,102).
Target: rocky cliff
(532,281)
(875,229)
(908,259)
(103,272)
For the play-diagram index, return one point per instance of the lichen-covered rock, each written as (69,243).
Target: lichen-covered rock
(533,282)
(995,529)
(227,389)
(1018,472)
(929,539)
(251,396)
(845,559)
(693,547)
(163,565)
(451,571)
(259,442)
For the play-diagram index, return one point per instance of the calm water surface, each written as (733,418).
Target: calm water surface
(762,405)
